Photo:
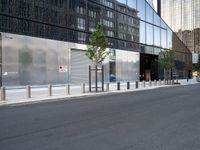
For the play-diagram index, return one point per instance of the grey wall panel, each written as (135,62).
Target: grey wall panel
(79,67)
(35,61)
(127,65)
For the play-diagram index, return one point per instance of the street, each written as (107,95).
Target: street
(160,119)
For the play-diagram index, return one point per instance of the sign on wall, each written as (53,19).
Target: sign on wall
(63,68)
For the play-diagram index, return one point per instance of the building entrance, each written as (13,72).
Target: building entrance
(148,67)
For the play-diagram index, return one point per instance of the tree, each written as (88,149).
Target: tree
(96,49)
(197,66)
(167,61)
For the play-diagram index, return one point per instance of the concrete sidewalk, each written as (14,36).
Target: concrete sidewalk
(18,95)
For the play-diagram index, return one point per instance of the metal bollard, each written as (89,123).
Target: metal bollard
(3,93)
(136,84)
(159,82)
(28,91)
(107,87)
(83,88)
(155,83)
(143,83)
(49,90)
(67,89)
(118,86)
(150,84)
(128,85)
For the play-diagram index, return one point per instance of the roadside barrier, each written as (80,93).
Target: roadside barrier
(28,91)
(107,87)
(3,93)
(67,87)
(118,86)
(128,85)
(49,90)
(83,88)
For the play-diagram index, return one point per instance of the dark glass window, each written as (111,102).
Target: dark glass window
(81,23)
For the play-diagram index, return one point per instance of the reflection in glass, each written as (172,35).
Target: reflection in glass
(156,36)
(149,30)
(122,1)
(131,3)
(169,38)
(140,8)
(156,19)
(127,65)
(149,13)
(142,32)
(163,38)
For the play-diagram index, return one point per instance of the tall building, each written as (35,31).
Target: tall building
(38,37)
(183,16)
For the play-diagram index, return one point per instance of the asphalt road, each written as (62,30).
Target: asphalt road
(160,119)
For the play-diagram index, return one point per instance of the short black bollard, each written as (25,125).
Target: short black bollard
(159,82)
(83,87)
(155,83)
(118,86)
(3,93)
(128,85)
(150,84)
(143,83)
(67,89)
(49,90)
(107,87)
(28,91)
(136,84)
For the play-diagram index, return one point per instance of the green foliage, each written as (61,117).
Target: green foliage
(96,49)
(197,66)
(167,59)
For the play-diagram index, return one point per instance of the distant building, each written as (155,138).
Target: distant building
(183,16)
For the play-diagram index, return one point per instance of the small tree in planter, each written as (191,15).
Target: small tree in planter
(96,49)
(197,68)
(167,61)
(96,52)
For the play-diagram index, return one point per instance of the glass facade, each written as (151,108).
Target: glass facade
(183,16)
(129,25)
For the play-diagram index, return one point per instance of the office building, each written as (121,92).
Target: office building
(38,37)
(183,16)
